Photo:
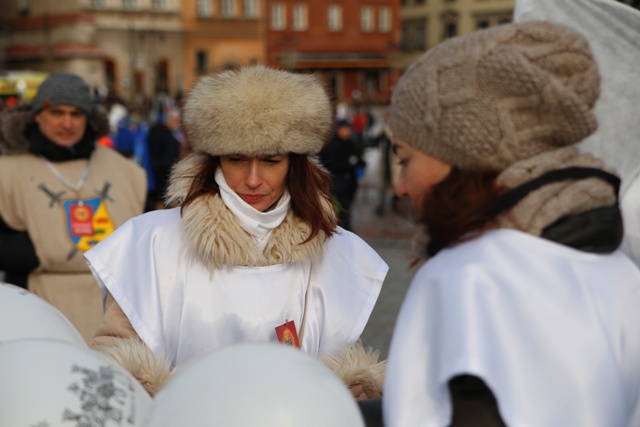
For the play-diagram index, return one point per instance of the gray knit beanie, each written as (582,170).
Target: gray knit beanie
(487,99)
(62,89)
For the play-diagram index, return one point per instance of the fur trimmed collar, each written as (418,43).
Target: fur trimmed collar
(218,240)
(14,121)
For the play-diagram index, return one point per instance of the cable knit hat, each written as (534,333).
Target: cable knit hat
(257,110)
(63,89)
(487,99)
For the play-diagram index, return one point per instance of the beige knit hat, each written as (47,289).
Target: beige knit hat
(257,110)
(487,99)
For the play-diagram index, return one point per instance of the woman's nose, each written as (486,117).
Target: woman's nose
(253,178)
(401,188)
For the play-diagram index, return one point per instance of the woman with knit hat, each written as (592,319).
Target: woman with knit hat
(252,251)
(525,313)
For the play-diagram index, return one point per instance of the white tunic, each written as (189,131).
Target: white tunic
(554,332)
(178,305)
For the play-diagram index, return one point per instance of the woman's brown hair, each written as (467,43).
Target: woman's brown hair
(456,209)
(309,186)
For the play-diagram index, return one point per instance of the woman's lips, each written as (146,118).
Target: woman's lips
(252,198)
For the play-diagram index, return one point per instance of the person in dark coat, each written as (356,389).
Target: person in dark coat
(341,158)
(164,150)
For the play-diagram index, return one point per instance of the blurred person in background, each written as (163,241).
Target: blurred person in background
(341,157)
(164,151)
(61,194)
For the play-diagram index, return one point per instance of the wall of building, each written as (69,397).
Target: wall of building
(427,22)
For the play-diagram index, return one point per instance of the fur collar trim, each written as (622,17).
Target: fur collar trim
(218,240)
(14,121)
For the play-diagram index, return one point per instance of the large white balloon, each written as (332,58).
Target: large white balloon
(26,315)
(251,385)
(53,383)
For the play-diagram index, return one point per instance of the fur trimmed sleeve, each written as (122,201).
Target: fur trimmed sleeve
(359,368)
(116,339)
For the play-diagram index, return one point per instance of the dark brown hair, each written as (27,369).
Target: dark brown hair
(456,209)
(309,186)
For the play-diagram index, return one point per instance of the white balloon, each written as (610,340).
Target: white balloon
(251,385)
(53,383)
(26,315)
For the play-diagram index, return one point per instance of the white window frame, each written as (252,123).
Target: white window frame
(204,8)
(384,19)
(130,4)
(366,19)
(251,9)
(278,16)
(334,17)
(228,8)
(159,4)
(300,17)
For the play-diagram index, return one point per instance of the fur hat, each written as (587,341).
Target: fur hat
(257,110)
(489,98)
(63,89)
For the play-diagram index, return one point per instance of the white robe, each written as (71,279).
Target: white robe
(177,305)
(554,332)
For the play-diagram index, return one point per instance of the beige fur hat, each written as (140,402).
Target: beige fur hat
(487,99)
(257,110)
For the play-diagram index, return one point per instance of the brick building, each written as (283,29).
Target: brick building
(350,44)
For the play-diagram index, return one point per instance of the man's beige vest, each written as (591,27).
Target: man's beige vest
(35,199)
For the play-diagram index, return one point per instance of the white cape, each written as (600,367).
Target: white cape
(180,307)
(554,332)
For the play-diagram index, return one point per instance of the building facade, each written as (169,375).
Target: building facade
(425,23)
(350,44)
(132,47)
(221,33)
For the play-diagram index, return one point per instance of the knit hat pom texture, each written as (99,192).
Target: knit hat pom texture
(492,97)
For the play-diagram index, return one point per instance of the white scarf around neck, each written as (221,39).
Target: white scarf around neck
(258,224)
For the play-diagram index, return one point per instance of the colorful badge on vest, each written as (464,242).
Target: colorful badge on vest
(88,222)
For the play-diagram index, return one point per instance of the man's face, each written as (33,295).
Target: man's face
(64,125)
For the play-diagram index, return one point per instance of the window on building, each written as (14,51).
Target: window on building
(414,35)
(420,35)
(300,17)
(228,8)
(450,25)
(384,19)
(202,61)
(278,16)
(98,4)
(483,23)
(205,8)
(129,4)
(250,8)
(24,6)
(159,4)
(366,19)
(334,17)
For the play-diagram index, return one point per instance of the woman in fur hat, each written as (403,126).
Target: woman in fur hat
(525,312)
(252,252)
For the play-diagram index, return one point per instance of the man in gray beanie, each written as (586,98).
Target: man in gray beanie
(60,194)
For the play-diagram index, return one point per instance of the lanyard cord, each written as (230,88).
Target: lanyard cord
(75,188)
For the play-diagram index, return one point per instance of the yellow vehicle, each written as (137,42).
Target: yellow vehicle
(21,85)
